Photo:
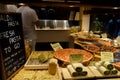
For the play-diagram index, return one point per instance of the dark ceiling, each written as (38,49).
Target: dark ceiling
(98,2)
(102,2)
(89,2)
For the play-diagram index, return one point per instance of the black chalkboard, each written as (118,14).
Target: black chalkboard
(12,49)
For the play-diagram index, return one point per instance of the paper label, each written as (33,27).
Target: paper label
(107,56)
(56,46)
(75,58)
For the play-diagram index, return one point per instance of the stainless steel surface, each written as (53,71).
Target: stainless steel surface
(53,24)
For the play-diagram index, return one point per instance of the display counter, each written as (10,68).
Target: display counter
(37,70)
(94,67)
(54,31)
(54,35)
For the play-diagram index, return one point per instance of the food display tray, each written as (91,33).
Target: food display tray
(67,75)
(34,63)
(40,74)
(93,73)
(97,74)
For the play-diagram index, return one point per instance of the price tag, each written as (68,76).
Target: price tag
(104,35)
(107,56)
(75,58)
(56,46)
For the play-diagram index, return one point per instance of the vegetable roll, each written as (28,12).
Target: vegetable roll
(78,66)
(72,71)
(103,70)
(108,65)
(83,73)
(114,71)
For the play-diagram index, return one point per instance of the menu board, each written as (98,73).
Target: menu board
(12,49)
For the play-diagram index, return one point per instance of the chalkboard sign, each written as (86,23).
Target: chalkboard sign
(12,49)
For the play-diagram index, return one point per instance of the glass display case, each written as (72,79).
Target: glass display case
(53,25)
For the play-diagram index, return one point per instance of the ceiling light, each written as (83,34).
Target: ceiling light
(115,7)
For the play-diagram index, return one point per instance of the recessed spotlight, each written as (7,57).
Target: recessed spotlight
(71,6)
(115,7)
(21,4)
